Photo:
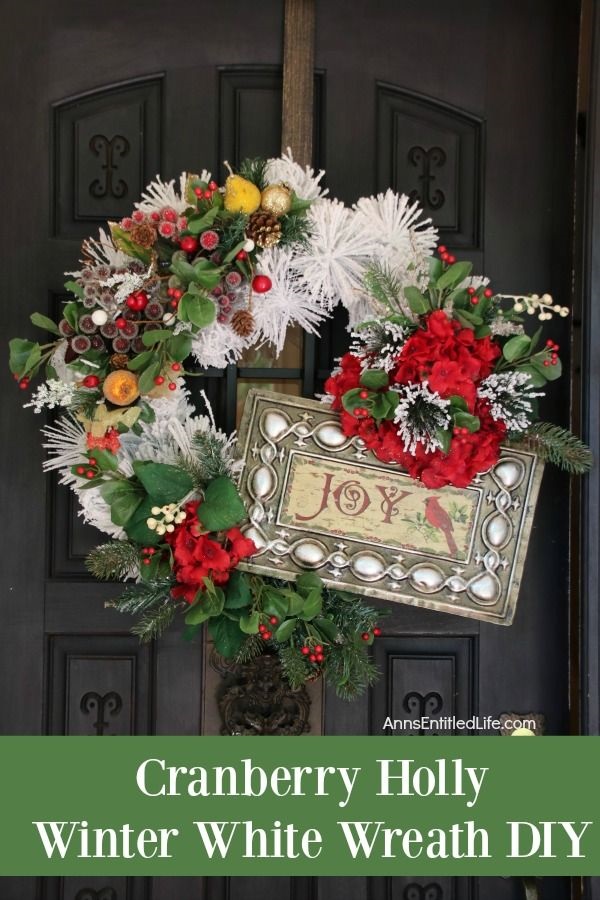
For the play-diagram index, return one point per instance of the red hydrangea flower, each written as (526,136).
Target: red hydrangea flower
(453,362)
(197,556)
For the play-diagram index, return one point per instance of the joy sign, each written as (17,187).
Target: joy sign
(319,500)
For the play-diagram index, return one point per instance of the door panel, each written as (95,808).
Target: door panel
(468,108)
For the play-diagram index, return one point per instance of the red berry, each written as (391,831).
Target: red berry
(170,292)
(120,322)
(159,380)
(189,244)
(24,384)
(318,649)
(471,291)
(549,343)
(444,256)
(209,239)
(364,395)
(320,657)
(172,386)
(146,561)
(176,366)
(365,635)
(90,474)
(267,635)
(546,362)
(442,249)
(151,551)
(273,620)
(92,461)
(554,362)
(488,293)
(241,255)
(131,301)
(262,628)
(177,293)
(451,259)
(169,215)
(198,191)
(174,304)
(456,430)
(312,657)
(207,194)
(91,381)
(474,300)
(81,470)
(213,186)
(305,651)
(261,284)
(377,632)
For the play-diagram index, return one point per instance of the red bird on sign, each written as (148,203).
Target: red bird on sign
(437,516)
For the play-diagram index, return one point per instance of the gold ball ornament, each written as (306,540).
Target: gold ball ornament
(121,387)
(276,199)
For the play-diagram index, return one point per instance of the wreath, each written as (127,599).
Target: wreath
(439,374)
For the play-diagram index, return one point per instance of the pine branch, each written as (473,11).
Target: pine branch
(383,286)
(85,402)
(252,647)
(156,621)
(294,229)
(559,446)
(233,232)
(293,665)
(142,597)
(254,170)
(116,560)
(212,455)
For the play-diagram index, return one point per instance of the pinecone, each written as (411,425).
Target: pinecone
(264,229)
(243,323)
(144,235)
(119,361)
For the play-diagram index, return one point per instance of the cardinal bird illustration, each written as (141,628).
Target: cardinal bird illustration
(437,516)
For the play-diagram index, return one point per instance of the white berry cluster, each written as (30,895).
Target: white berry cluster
(544,306)
(164,518)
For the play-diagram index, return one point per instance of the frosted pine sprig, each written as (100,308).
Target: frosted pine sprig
(305,182)
(511,399)
(383,339)
(419,415)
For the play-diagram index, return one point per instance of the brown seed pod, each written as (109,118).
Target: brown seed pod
(119,361)
(144,235)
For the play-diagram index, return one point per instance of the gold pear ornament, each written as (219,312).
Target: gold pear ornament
(241,196)
(276,199)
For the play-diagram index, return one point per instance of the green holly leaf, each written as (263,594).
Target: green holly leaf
(74,288)
(156,336)
(516,347)
(124,498)
(313,606)
(222,507)
(435,268)
(141,360)
(444,436)
(226,635)
(466,420)
(146,381)
(198,310)
(309,581)
(276,603)
(179,346)
(374,379)
(44,322)
(71,314)
(23,356)
(199,223)
(197,614)
(136,528)
(106,460)
(328,629)
(249,624)
(286,630)
(163,483)
(237,594)
(418,304)
(454,275)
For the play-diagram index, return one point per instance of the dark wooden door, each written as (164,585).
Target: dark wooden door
(469,105)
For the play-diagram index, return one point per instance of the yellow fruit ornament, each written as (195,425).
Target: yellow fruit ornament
(241,196)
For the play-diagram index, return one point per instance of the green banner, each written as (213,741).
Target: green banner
(333,806)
